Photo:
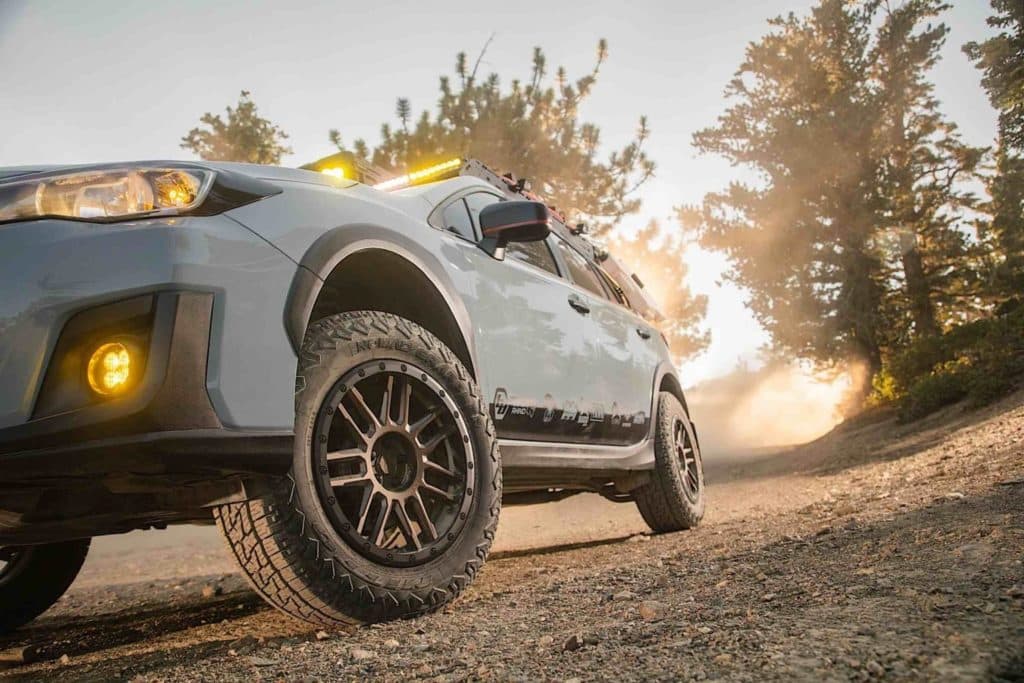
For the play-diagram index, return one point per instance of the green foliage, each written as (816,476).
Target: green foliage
(531,128)
(849,239)
(1001,59)
(932,392)
(801,118)
(981,361)
(244,136)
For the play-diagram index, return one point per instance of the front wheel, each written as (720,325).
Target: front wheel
(32,578)
(393,497)
(674,498)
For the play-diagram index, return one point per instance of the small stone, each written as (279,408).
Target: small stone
(955,495)
(574,642)
(322,635)
(544,641)
(624,596)
(768,597)
(391,644)
(639,538)
(261,661)
(652,610)
(1015,591)
(705,629)
(242,646)
(211,591)
(874,668)
(64,659)
(723,658)
(360,655)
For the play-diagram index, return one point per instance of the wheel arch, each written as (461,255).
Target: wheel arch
(668,381)
(408,282)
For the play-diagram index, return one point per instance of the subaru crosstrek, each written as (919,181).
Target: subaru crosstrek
(348,380)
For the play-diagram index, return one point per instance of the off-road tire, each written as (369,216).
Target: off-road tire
(285,542)
(36,579)
(663,502)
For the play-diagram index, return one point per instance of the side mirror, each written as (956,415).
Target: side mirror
(505,222)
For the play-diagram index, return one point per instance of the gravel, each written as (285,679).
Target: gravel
(846,559)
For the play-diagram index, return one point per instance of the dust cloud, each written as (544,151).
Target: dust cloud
(781,404)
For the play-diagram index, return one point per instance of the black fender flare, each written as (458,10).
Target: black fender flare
(338,244)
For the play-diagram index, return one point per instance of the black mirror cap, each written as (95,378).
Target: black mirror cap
(517,221)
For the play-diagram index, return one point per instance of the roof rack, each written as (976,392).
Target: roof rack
(625,283)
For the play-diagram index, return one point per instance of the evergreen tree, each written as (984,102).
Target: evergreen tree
(530,128)
(921,162)
(849,235)
(1001,59)
(243,136)
(801,119)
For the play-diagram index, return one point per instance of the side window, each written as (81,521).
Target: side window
(537,254)
(456,219)
(477,201)
(582,273)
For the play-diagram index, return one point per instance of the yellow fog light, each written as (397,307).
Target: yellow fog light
(110,368)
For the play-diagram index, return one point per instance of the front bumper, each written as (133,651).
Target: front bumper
(166,425)
(218,391)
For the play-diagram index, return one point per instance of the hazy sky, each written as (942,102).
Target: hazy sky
(110,81)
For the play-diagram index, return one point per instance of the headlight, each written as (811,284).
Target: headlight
(105,194)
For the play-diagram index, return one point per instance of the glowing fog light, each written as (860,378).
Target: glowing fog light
(110,369)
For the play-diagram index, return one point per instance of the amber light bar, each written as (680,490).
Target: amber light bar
(419,176)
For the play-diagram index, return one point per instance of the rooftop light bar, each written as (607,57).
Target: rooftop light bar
(419,176)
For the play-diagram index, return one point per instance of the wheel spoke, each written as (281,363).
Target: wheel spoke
(350,480)
(441,435)
(352,424)
(433,466)
(379,525)
(423,518)
(417,427)
(385,408)
(403,521)
(364,509)
(430,488)
(358,399)
(346,454)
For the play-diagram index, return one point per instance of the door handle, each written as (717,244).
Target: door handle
(577,302)
(644,333)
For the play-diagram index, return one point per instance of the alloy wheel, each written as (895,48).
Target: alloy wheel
(393,462)
(689,460)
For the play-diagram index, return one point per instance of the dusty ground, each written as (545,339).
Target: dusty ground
(877,552)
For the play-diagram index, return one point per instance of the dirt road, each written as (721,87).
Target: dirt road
(877,552)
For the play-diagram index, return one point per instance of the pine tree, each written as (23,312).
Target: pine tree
(531,128)
(922,161)
(245,136)
(801,119)
(1001,59)
(850,236)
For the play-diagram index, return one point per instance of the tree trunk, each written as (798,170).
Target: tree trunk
(921,307)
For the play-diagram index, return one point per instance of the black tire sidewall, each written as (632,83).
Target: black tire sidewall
(669,468)
(427,354)
(38,580)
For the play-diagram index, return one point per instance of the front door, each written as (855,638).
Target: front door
(528,337)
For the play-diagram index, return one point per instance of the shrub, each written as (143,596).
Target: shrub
(981,361)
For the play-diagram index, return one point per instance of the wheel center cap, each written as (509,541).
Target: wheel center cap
(394,462)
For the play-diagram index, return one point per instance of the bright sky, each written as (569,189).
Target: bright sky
(114,80)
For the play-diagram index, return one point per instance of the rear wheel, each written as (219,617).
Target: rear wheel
(395,489)
(674,498)
(32,578)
